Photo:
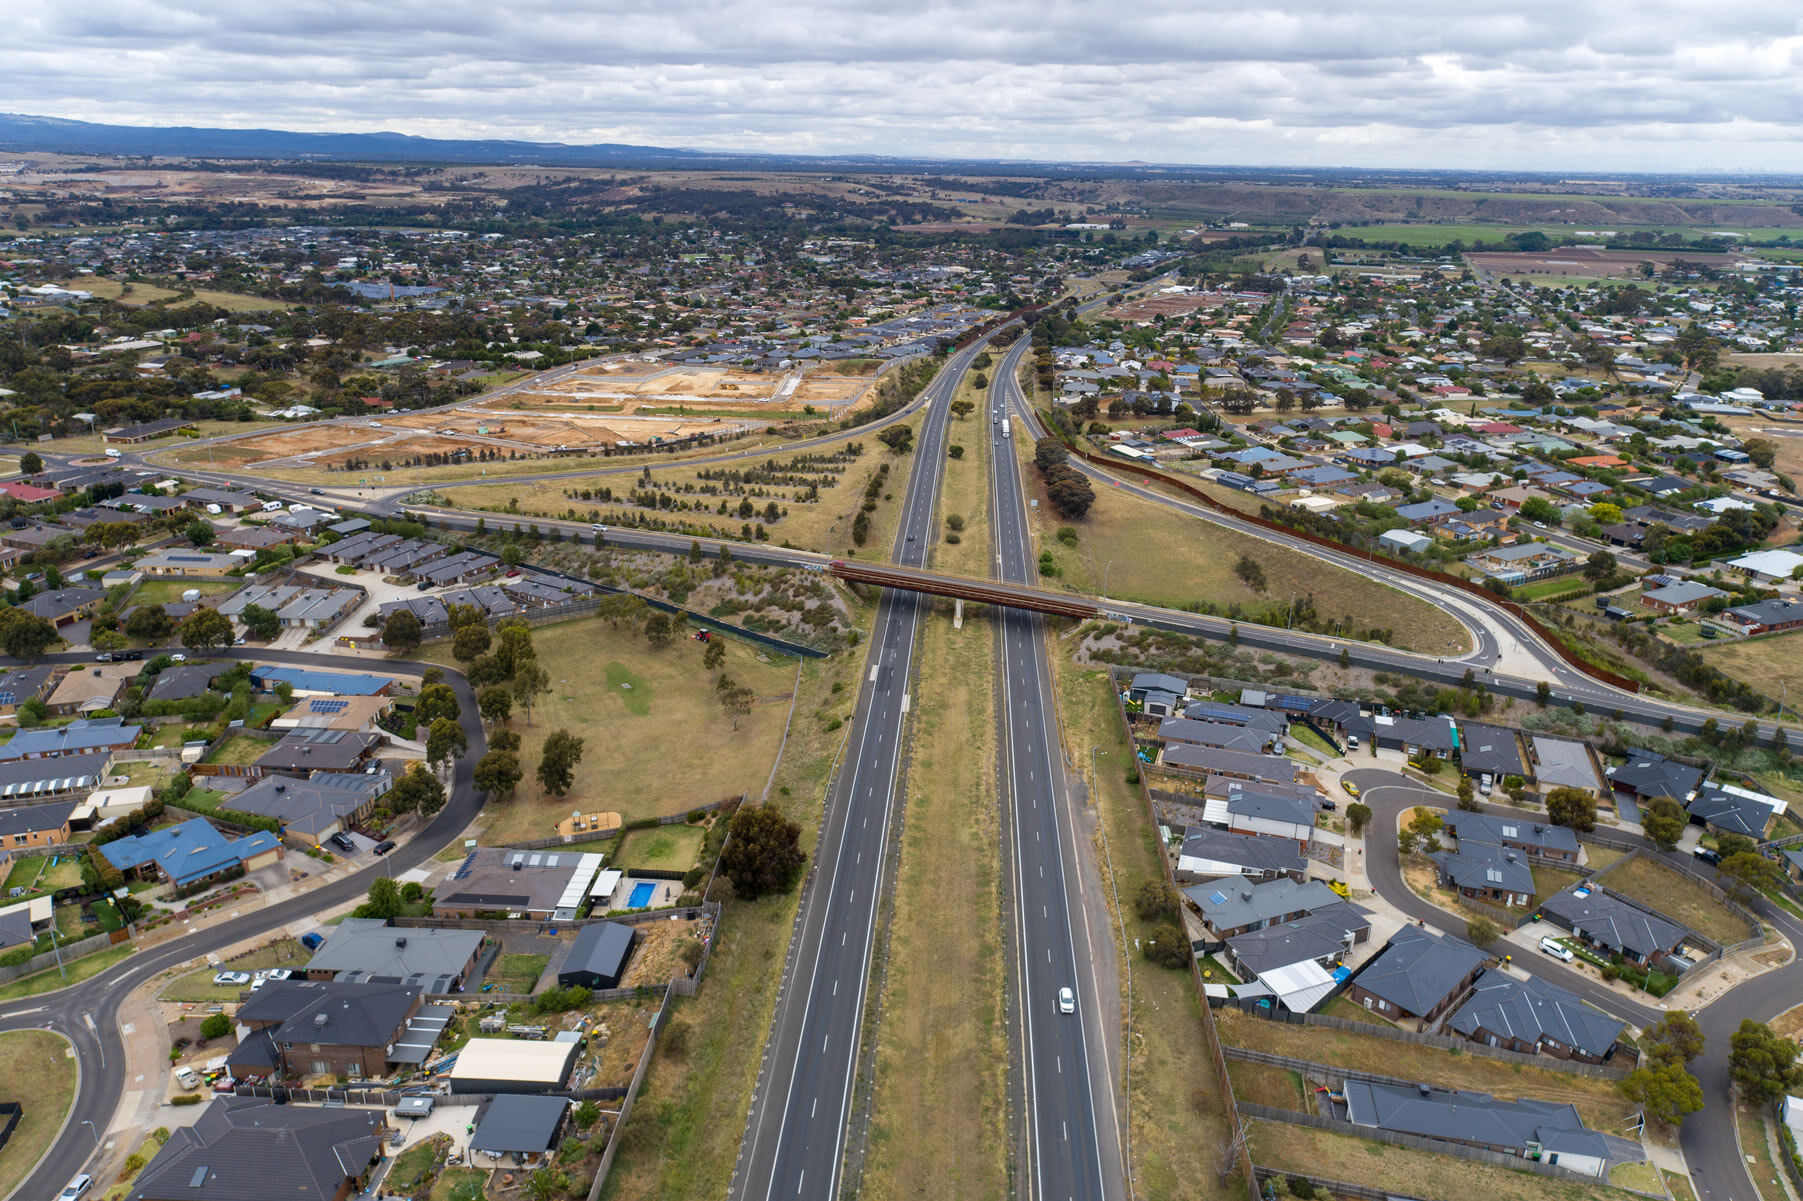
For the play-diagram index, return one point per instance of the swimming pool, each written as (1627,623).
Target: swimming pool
(642,893)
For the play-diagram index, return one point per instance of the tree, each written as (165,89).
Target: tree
(504,740)
(898,438)
(498,773)
(1543,692)
(105,638)
(1467,795)
(205,629)
(30,463)
(495,704)
(418,790)
(1573,807)
(1155,900)
(714,654)
(557,762)
(763,852)
(546,1183)
(530,681)
(436,701)
(216,1025)
(1358,816)
(735,698)
(1599,566)
(586,1115)
(1763,1063)
(1665,1092)
(658,631)
(199,533)
(1763,452)
(260,622)
(1250,572)
(384,900)
(470,641)
(445,741)
(151,623)
(1167,946)
(1481,931)
(1676,1037)
(1746,874)
(1663,820)
(1538,508)
(402,631)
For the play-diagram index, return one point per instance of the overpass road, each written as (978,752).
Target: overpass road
(795,1135)
(1070,1107)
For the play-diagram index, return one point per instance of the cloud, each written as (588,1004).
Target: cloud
(1568,85)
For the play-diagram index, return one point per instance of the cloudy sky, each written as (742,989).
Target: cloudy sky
(1564,85)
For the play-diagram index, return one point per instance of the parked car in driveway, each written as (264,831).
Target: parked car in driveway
(232,979)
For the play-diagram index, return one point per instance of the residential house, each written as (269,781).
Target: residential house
(240,1145)
(1727,809)
(80,737)
(305,682)
(193,564)
(548,885)
(520,1125)
(1766,617)
(1159,694)
(1769,566)
(313,810)
(1648,774)
(1524,561)
(1551,1131)
(254,538)
(1515,833)
(297,1028)
(1534,1017)
(1562,763)
(367,948)
(1683,596)
(1490,750)
(359,713)
(1325,937)
(91,687)
(21,684)
(145,431)
(35,825)
(191,854)
(64,606)
(1418,975)
(1486,872)
(69,775)
(1241,765)
(1208,853)
(1614,925)
(1230,907)
(182,681)
(1271,812)
(1417,736)
(306,751)
(1217,735)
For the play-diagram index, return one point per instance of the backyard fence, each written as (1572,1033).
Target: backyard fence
(69,952)
(1616,1069)
(669,819)
(1339,1188)
(1501,1159)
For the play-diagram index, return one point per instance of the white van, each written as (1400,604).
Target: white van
(1557,950)
(1352,742)
(114,454)
(272,506)
(188,1078)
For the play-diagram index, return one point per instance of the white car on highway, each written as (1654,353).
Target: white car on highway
(1067,1001)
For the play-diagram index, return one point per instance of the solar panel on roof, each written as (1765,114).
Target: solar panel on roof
(1218,897)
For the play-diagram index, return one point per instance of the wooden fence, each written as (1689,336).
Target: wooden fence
(1339,1188)
(1616,1069)
(1415,1142)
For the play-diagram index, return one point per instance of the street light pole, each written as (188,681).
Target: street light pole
(96,1132)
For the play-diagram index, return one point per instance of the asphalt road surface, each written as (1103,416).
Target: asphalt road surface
(89,1012)
(795,1136)
(1070,1112)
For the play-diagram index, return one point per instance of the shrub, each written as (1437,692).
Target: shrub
(185,1099)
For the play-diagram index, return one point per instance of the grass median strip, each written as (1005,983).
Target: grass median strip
(939,1110)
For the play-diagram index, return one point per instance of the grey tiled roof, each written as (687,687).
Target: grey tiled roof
(1609,921)
(241,1146)
(1531,1010)
(1318,936)
(1419,969)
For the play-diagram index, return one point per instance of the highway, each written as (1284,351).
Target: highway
(795,1134)
(89,1012)
(1067,1082)
(1707,1137)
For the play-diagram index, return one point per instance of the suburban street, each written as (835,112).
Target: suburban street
(1068,1084)
(794,1138)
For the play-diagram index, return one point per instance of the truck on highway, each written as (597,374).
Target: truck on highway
(1004,427)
